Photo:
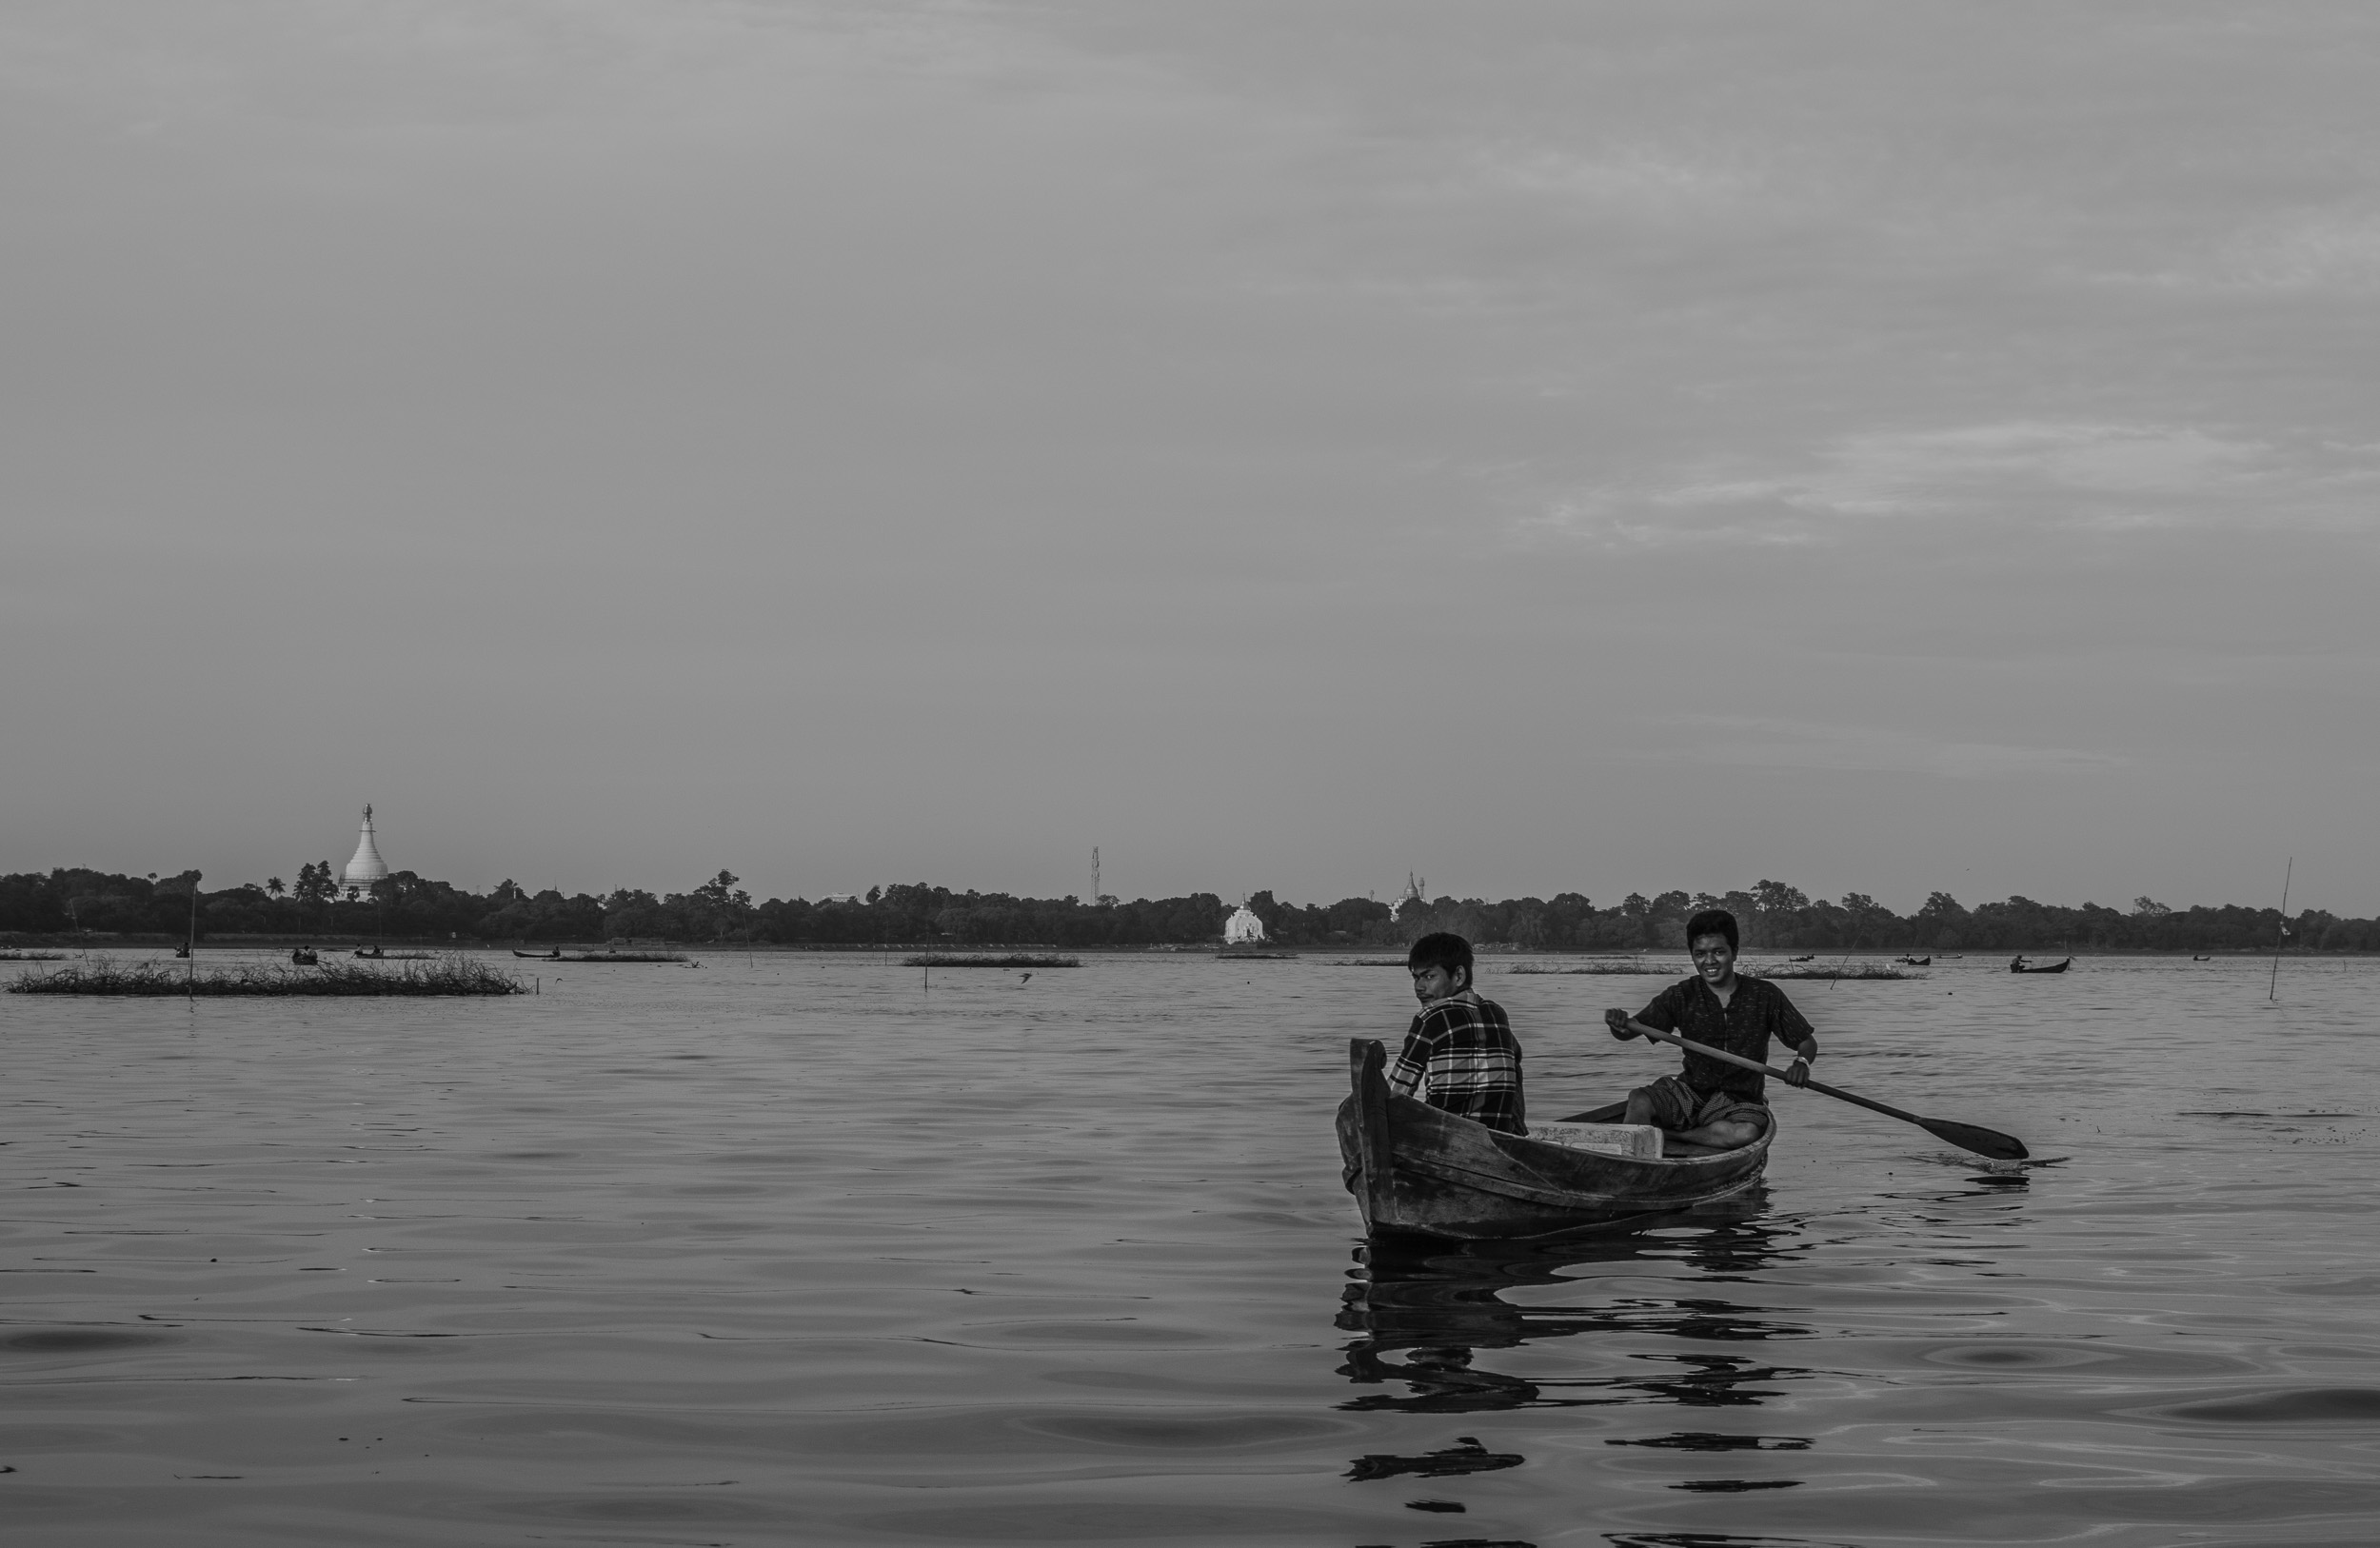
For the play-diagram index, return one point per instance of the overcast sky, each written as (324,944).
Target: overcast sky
(1595,447)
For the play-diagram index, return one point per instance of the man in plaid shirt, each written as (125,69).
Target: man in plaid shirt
(1460,1054)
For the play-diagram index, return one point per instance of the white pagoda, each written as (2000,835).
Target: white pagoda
(365,867)
(1244,929)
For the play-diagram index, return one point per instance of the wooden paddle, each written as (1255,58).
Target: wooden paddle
(1981,1140)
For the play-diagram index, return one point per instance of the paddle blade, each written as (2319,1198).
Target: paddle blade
(1981,1140)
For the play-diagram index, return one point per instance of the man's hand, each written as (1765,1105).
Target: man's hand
(1797,1072)
(1617,1021)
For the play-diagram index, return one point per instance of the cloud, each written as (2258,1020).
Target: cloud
(1764,742)
(1637,175)
(2096,477)
(2334,250)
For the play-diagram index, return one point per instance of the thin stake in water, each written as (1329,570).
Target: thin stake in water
(2272,989)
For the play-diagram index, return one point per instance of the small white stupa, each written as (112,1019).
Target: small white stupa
(365,867)
(1244,929)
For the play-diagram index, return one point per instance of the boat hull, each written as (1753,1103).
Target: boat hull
(1418,1171)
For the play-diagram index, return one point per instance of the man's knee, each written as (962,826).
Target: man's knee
(1639,1108)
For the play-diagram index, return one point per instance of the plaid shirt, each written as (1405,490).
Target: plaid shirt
(1755,1013)
(1461,1056)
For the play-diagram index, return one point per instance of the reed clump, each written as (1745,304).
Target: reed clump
(1856,970)
(1013,959)
(1635,969)
(448,976)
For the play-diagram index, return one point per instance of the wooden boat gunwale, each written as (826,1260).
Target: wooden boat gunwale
(1415,1169)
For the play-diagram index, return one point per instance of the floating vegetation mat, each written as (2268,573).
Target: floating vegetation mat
(1014,959)
(1854,970)
(32,956)
(1628,969)
(453,975)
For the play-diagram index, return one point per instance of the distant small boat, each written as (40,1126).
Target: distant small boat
(553,956)
(1917,961)
(306,957)
(2019,966)
(611,957)
(378,955)
(181,951)
(2202,959)
(1802,958)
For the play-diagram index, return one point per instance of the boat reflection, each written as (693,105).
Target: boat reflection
(1424,1313)
(1449,1328)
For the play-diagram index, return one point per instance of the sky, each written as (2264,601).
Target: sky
(1586,446)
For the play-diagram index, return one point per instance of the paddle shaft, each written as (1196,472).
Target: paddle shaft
(1812,1083)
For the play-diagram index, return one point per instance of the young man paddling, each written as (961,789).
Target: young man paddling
(1712,1102)
(1460,1054)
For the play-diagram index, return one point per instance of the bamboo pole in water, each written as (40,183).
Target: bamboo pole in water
(189,943)
(2273,990)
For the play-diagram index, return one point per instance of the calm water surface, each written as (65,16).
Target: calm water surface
(791,1249)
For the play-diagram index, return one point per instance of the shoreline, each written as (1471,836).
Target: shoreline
(28,941)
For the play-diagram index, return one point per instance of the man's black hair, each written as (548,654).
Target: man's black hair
(1442,949)
(1712,922)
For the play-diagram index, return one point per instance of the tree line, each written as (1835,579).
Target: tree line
(1774,917)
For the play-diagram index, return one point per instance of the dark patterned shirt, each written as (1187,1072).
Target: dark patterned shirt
(1461,1056)
(1755,1013)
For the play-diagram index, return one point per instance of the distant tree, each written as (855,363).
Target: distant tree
(717,908)
(2147,908)
(273,885)
(314,883)
(719,891)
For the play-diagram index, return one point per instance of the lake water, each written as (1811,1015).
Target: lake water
(792,1249)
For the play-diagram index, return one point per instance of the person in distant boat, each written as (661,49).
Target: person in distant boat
(1460,1054)
(1711,1102)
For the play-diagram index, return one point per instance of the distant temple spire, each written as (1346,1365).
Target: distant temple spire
(367,866)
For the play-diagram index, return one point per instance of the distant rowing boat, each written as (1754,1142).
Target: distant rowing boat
(603,956)
(1415,1170)
(2019,966)
(1917,961)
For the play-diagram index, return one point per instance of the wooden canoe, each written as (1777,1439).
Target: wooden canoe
(1418,1171)
(2019,966)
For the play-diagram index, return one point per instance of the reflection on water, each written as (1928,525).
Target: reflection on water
(1434,1323)
(799,1249)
